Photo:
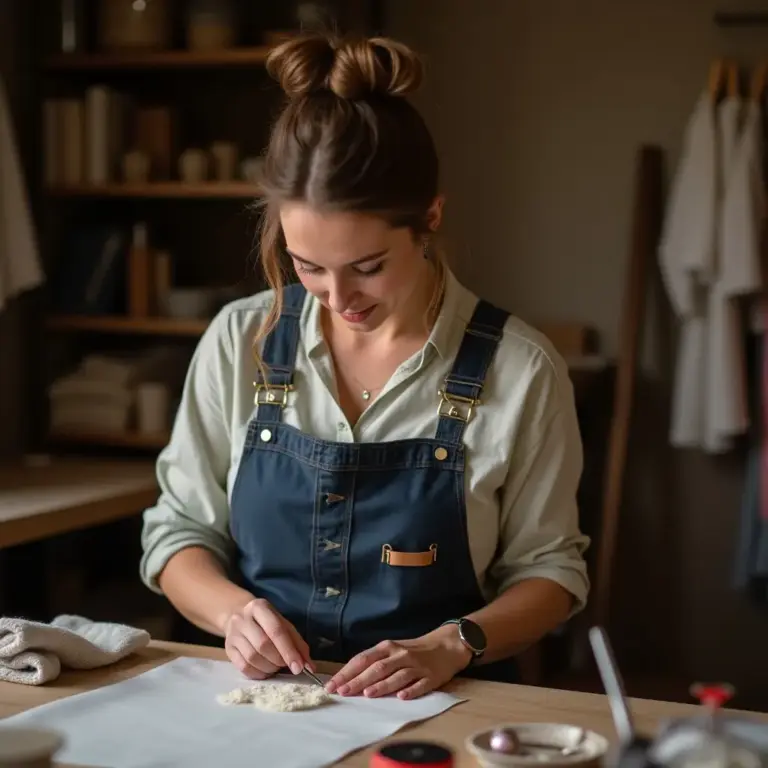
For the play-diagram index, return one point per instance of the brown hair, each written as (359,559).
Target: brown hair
(346,140)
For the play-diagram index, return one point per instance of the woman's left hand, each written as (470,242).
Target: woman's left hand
(409,668)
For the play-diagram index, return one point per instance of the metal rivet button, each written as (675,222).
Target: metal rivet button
(332,592)
(266,435)
(271,397)
(441,454)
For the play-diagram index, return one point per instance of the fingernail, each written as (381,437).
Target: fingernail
(296,668)
(344,690)
(330,686)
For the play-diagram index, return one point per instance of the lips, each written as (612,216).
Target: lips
(358,317)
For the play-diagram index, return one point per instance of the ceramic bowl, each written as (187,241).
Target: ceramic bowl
(553,738)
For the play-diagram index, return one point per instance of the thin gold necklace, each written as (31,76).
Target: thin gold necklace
(367,392)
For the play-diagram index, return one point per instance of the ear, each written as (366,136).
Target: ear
(435,213)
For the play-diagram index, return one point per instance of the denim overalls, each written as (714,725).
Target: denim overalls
(355,543)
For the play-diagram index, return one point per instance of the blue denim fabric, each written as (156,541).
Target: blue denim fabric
(311,517)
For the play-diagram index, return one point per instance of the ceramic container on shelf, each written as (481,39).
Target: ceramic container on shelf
(211,25)
(134,24)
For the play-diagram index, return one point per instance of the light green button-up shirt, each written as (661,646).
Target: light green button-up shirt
(523,448)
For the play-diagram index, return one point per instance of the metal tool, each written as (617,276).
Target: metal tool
(312,676)
(707,740)
(613,684)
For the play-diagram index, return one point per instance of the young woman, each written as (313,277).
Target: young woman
(369,466)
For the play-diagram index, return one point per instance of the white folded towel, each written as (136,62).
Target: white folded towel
(33,653)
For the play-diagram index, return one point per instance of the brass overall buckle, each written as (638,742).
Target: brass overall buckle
(456,406)
(272,394)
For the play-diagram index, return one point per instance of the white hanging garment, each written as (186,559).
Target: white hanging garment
(687,262)
(726,406)
(20,268)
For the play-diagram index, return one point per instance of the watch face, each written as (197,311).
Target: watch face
(473,635)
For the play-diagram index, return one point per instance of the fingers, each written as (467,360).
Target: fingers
(260,642)
(419,688)
(392,684)
(281,639)
(302,646)
(357,665)
(242,654)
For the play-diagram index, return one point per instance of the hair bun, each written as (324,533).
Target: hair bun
(350,68)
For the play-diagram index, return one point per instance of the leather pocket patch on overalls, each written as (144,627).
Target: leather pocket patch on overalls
(396,559)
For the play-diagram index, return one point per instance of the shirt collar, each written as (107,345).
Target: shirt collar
(311,328)
(452,317)
(450,322)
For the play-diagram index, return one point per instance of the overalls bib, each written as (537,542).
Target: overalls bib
(355,543)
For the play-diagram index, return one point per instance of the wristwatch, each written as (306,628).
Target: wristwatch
(472,636)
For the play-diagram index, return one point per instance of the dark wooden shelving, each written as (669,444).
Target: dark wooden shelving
(173,59)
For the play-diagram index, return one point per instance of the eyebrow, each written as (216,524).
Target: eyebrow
(363,260)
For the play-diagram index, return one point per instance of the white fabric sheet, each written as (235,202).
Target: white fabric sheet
(169,716)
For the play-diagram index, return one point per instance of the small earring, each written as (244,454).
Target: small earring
(426,247)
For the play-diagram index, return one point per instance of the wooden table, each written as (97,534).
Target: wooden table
(488,703)
(67,494)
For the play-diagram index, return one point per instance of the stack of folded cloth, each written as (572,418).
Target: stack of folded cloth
(98,396)
(34,653)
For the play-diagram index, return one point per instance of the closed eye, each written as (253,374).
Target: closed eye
(370,270)
(305,268)
(366,271)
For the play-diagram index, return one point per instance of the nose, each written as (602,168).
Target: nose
(340,295)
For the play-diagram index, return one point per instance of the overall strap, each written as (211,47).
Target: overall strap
(279,356)
(461,391)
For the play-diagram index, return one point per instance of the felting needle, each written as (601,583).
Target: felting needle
(314,677)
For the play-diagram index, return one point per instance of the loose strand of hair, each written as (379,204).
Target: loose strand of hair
(274,273)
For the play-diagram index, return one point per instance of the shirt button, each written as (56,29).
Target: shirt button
(342,426)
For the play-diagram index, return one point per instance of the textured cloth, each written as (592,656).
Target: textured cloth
(33,653)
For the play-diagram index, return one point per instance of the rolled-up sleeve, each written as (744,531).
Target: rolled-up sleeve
(192,508)
(539,525)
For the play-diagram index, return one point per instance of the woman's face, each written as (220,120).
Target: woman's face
(358,266)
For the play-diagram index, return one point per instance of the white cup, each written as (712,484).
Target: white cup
(152,408)
(193,166)
(224,154)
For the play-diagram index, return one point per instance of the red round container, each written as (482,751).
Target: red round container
(412,754)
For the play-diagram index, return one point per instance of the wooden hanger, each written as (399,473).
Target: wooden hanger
(733,79)
(757,86)
(716,77)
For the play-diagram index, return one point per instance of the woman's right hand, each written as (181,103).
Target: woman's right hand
(260,642)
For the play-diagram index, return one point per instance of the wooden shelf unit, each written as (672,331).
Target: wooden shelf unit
(166,189)
(216,95)
(172,59)
(144,326)
(128,439)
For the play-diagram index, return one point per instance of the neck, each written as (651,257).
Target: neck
(414,321)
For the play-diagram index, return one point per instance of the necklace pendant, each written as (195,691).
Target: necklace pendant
(366,395)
